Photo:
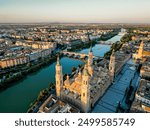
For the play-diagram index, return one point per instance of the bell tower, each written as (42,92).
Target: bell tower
(85,91)
(59,78)
(140,52)
(112,65)
(90,62)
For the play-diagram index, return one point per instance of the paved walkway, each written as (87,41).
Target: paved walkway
(116,92)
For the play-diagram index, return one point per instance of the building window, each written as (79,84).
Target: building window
(57,82)
(83,94)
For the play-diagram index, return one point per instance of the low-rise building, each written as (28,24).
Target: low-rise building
(34,55)
(55,105)
(143,93)
(37,45)
(74,42)
(142,98)
(145,70)
(14,61)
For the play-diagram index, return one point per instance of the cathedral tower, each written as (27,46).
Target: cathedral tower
(140,52)
(90,62)
(112,65)
(67,81)
(59,78)
(85,91)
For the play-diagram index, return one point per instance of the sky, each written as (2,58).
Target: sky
(75,11)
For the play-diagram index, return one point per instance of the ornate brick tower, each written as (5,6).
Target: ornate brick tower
(90,62)
(140,52)
(59,78)
(85,90)
(112,65)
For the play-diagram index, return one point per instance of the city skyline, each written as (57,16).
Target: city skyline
(75,11)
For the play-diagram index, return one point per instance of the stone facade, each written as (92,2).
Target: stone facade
(13,61)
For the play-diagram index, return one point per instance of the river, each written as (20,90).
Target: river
(17,98)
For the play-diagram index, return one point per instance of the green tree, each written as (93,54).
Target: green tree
(74,69)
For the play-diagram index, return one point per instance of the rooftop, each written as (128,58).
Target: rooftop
(55,105)
(116,92)
(144,89)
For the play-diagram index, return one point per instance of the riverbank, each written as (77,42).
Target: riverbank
(105,37)
(22,71)
(117,45)
(85,45)
(19,96)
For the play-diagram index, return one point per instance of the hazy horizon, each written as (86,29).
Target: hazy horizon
(75,11)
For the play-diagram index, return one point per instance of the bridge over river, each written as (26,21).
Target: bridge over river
(78,55)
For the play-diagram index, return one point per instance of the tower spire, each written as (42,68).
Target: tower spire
(85,71)
(90,61)
(113,52)
(58,60)
(67,77)
(91,48)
